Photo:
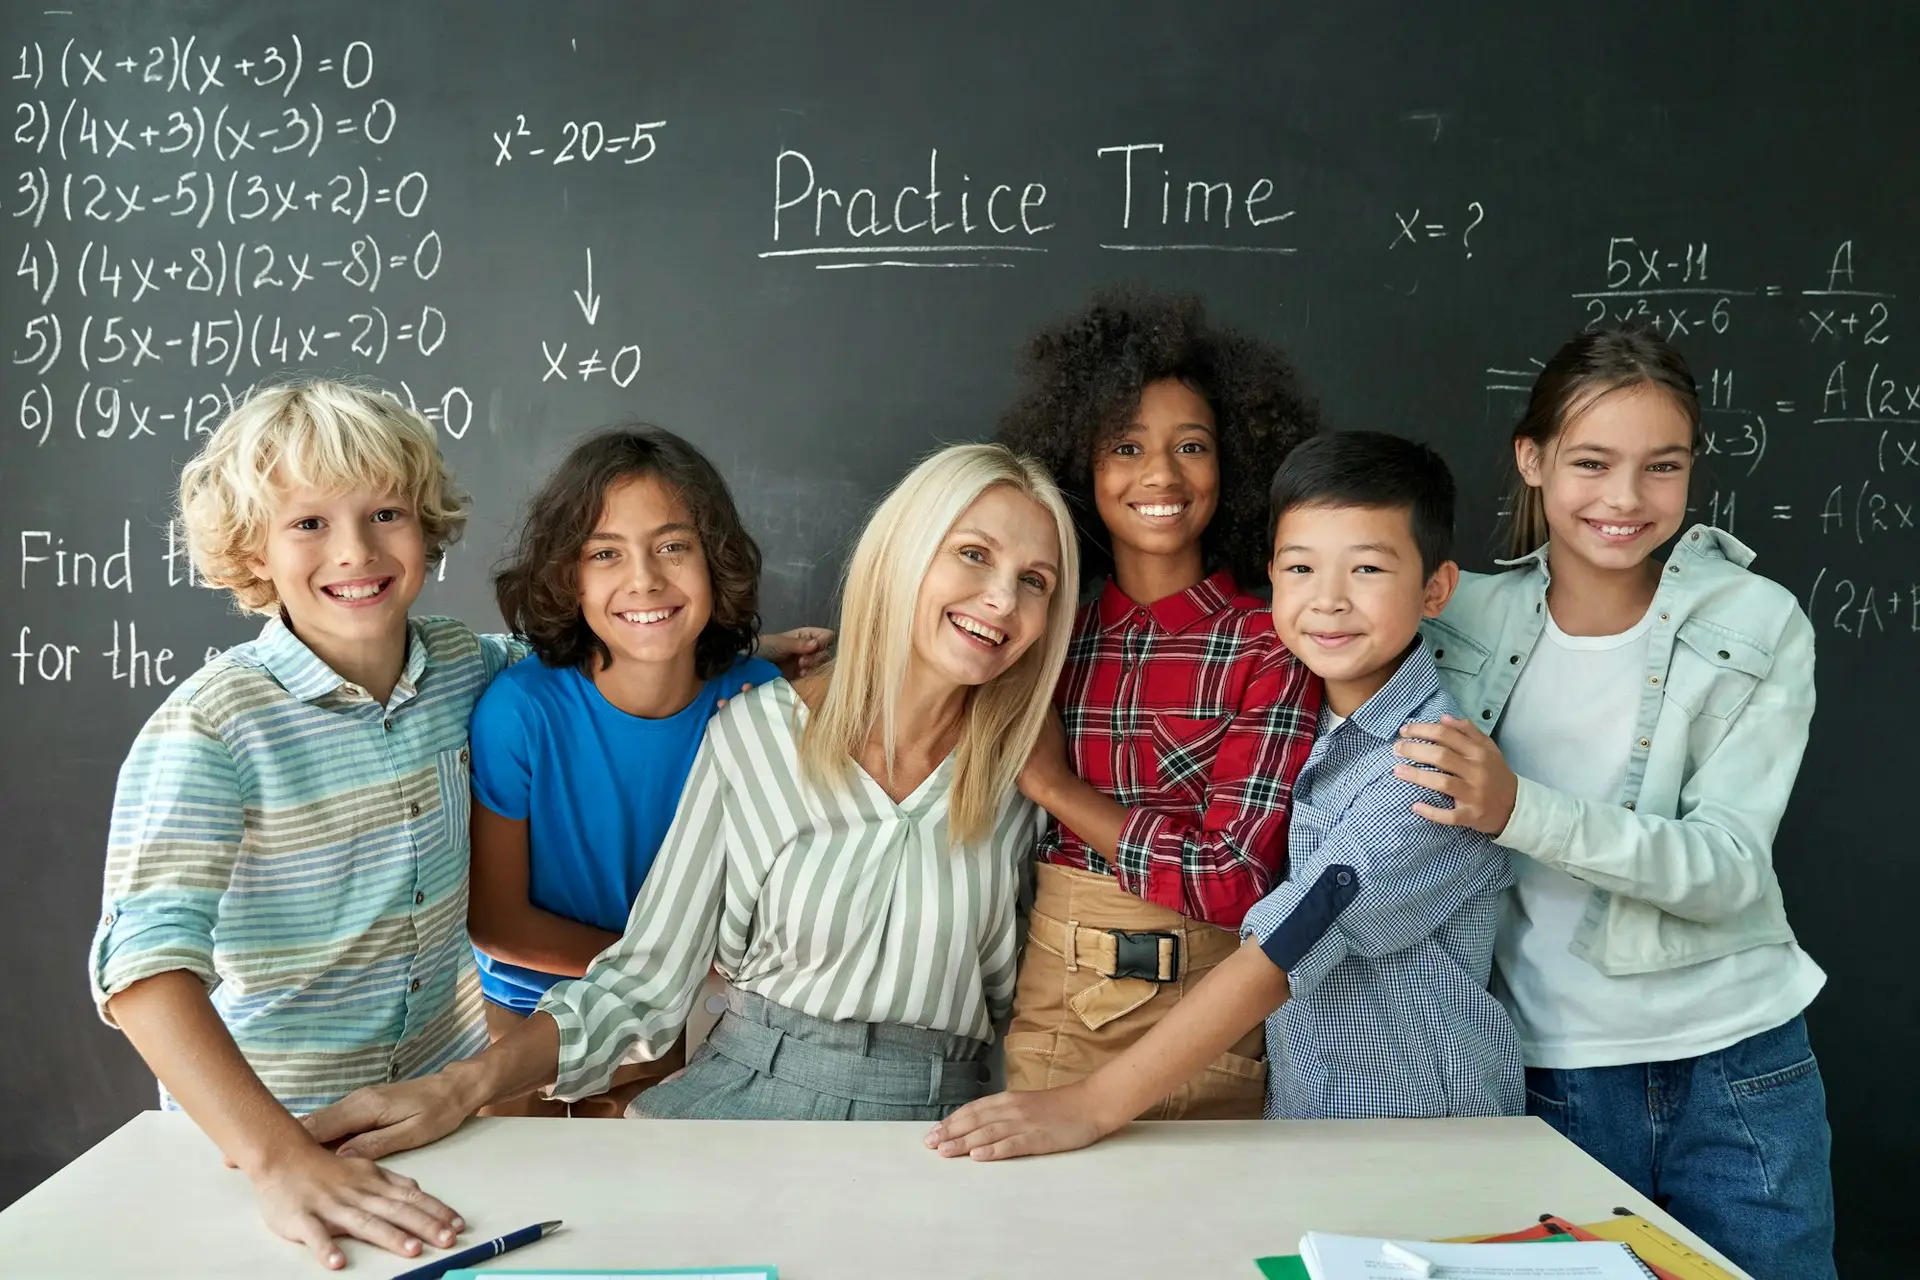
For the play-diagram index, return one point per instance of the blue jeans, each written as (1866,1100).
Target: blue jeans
(1734,1144)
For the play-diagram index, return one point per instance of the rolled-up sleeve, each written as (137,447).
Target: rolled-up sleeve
(1382,879)
(171,846)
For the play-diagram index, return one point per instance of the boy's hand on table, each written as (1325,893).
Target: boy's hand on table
(311,1195)
(1029,1123)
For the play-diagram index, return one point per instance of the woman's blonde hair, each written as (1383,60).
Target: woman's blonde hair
(1003,717)
(330,436)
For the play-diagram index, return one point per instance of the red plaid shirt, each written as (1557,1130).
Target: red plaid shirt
(1191,713)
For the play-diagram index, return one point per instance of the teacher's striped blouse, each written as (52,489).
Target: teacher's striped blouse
(845,907)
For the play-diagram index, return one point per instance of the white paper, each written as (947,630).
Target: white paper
(1330,1257)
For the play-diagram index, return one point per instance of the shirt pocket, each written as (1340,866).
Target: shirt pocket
(454,774)
(1713,671)
(1184,750)
(1461,660)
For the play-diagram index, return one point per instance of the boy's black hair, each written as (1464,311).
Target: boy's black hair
(1372,469)
(538,585)
(1081,380)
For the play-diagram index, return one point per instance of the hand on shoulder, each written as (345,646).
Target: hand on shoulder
(1463,764)
(797,652)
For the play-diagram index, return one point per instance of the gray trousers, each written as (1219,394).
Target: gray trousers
(764,1061)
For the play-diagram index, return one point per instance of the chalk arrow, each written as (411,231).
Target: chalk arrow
(590,301)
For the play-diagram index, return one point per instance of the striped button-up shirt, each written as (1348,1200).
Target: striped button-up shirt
(1385,930)
(1191,713)
(847,907)
(303,850)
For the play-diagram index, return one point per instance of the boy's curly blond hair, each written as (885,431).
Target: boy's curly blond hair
(330,436)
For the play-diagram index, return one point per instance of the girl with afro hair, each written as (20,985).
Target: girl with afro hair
(1182,719)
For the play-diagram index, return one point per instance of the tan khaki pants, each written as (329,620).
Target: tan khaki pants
(1070,1017)
(629,1081)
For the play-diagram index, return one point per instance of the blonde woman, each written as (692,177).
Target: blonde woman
(847,850)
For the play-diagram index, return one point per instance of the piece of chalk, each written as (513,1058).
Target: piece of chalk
(1406,1258)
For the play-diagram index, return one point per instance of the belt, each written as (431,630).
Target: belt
(1118,953)
(839,1074)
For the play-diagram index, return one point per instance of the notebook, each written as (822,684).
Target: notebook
(1336,1257)
(1665,1257)
(1661,1256)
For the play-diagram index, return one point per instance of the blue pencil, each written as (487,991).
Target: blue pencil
(480,1252)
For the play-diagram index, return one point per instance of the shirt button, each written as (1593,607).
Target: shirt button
(415,986)
(1514,660)
(1664,617)
(414,808)
(1673,568)
(107,918)
(1646,742)
(463,755)
(1439,653)
(419,898)
(387,725)
(1653,679)
(1694,536)
(1486,715)
(1342,878)
(1724,655)
(1629,804)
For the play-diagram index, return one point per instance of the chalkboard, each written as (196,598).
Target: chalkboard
(812,237)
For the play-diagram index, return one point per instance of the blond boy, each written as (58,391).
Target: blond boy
(284,914)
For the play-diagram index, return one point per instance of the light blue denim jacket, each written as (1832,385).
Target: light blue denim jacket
(1682,859)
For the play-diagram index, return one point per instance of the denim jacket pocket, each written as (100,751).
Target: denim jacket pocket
(1462,661)
(1454,652)
(1714,671)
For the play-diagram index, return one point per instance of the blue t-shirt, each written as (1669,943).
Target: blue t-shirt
(596,787)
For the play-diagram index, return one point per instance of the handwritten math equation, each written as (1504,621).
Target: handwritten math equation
(188,217)
(1861,499)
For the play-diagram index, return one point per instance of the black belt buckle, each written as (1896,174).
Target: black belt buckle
(1137,955)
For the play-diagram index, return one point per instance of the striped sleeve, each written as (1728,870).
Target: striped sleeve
(171,847)
(498,652)
(634,999)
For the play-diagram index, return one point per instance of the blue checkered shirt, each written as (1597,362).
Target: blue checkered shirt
(1385,928)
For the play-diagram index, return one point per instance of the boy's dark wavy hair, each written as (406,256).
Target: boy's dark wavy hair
(1081,385)
(538,584)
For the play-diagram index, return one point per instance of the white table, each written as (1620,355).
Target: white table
(839,1201)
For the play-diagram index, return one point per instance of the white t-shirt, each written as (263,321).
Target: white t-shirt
(1569,726)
